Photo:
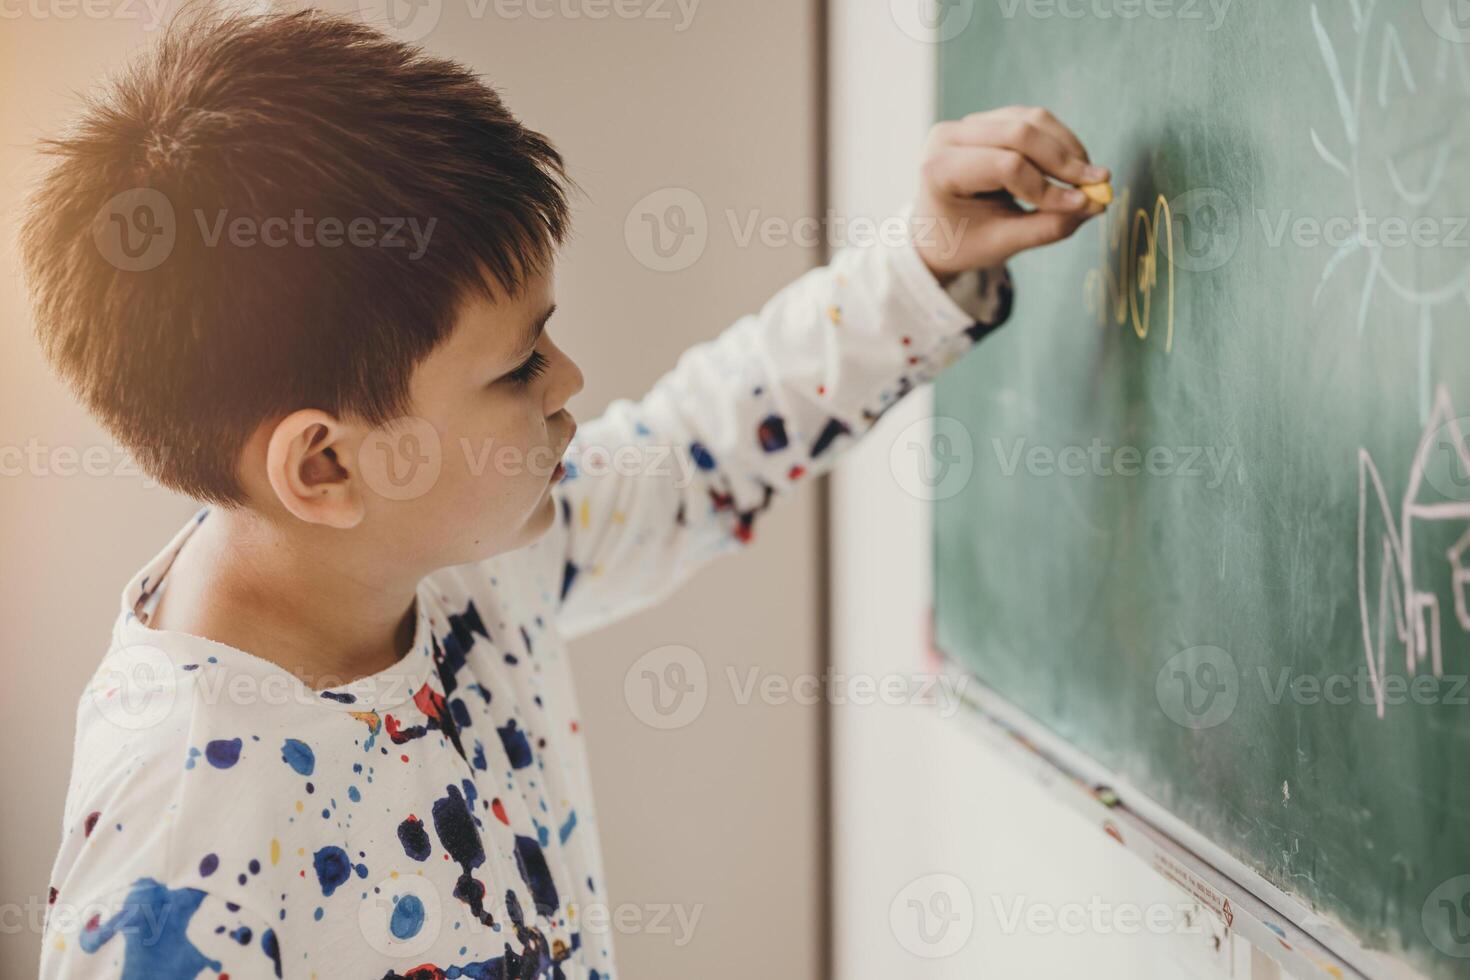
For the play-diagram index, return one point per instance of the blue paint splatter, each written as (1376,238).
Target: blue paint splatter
(223,753)
(298,756)
(414,838)
(154,923)
(332,868)
(408,917)
(272,948)
(517,749)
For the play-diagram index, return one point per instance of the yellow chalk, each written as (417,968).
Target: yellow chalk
(1100,193)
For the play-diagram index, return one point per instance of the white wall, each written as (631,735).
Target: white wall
(917,795)
(721,815)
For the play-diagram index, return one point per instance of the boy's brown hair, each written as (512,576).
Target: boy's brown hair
(273,212)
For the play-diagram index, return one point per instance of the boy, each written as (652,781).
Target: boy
(334,733)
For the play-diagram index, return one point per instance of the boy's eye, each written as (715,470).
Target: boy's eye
(530,370)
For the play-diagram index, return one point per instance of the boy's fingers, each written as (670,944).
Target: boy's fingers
(964,171)
(1020,232)
(1036,133)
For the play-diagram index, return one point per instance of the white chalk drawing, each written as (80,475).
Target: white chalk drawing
(1402,602)
(1394,170)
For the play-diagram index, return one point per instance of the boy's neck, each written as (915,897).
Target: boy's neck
(298,600)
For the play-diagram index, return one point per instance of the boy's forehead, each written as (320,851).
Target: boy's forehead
(504,323)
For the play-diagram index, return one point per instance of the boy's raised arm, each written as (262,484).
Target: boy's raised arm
(656,487)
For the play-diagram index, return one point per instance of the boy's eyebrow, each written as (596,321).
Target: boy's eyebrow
(533,333)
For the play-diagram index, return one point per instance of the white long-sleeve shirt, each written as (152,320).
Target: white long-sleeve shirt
(435,820)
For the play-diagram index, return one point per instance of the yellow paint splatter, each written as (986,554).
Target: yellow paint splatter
(275,852)
(300,806)
(585,516)
(834,313)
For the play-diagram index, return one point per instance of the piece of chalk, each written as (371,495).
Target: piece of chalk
(1100,193)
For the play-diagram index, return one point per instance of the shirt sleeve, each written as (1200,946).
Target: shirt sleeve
(153,930)
(658,486)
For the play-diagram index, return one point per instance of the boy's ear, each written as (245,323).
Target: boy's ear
(310,469)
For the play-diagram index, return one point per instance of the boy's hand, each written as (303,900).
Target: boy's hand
(978,171)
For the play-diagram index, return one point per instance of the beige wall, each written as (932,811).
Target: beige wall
(720,815)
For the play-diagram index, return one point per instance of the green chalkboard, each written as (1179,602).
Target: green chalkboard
(1203,506)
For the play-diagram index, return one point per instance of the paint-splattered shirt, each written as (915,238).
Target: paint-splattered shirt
(435,820)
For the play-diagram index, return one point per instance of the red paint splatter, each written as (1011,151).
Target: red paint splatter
(907,341)
(576,728)
(403,757)
(430,702)
(91,822)
(821,389)
(498,809)
(796,472)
